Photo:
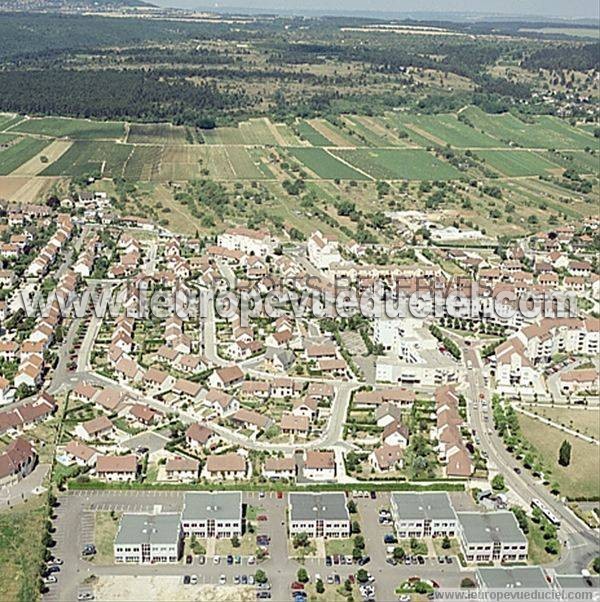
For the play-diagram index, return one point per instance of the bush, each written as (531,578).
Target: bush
(467,582)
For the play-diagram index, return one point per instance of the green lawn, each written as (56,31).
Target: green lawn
(247,546)
(582,477)
(339,546)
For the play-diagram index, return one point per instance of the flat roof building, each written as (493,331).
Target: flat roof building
(489,536)
(148,538)
(319,514)
(217,514)
(423,515)
(513,578)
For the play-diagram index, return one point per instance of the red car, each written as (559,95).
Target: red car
(297,585)
(262,517)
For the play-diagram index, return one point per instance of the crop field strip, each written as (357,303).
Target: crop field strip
(19,152)
(399,164)
(157,133)
(516,163)
(77,129)
(391,147)
(545,132)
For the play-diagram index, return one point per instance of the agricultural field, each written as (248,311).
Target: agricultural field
(20,152)
(39,162)
(143,163)
(337,136)
(7,120)
(581,161)
(543,132)
(308,133)
(444,129)
(376,131)
(401,164)
(181,163)
(514,163)
(77,129)
(157,133)
(325,165)
(91,158)
(254,132)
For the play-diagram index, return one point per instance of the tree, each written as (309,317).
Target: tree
(359,542)
(260,576)
(467,582)
(300,540)
(498,482)
(355,527)
(356,554)
(362,576)
(596,564)
(446,544)
(421,588)
(320,587)
(552,546)
(302,575)
(398,553)
(235,541)
(564,453)
(352,507)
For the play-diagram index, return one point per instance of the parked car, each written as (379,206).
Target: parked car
(194,579)
(222,580)
(328,561)
(389,538)
(229,559)
(49,579)
(186,580)
(188,559)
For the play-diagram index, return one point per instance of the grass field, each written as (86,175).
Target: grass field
(87,157)
(20,152)
(21,550)
(584,420)
(156,133)
(105,531)
(401,164)
(517,162)
(544,132)
(325,165)
(582,477)
(78,129)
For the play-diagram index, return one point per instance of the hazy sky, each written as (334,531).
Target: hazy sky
(548,8)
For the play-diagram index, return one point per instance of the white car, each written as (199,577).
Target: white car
(50,579)
(216,560)
(251,560)
(222,580)
(194,579)
(250,579)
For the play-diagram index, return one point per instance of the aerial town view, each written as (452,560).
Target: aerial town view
(299,301)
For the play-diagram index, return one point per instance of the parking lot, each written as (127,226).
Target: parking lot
(75,528)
